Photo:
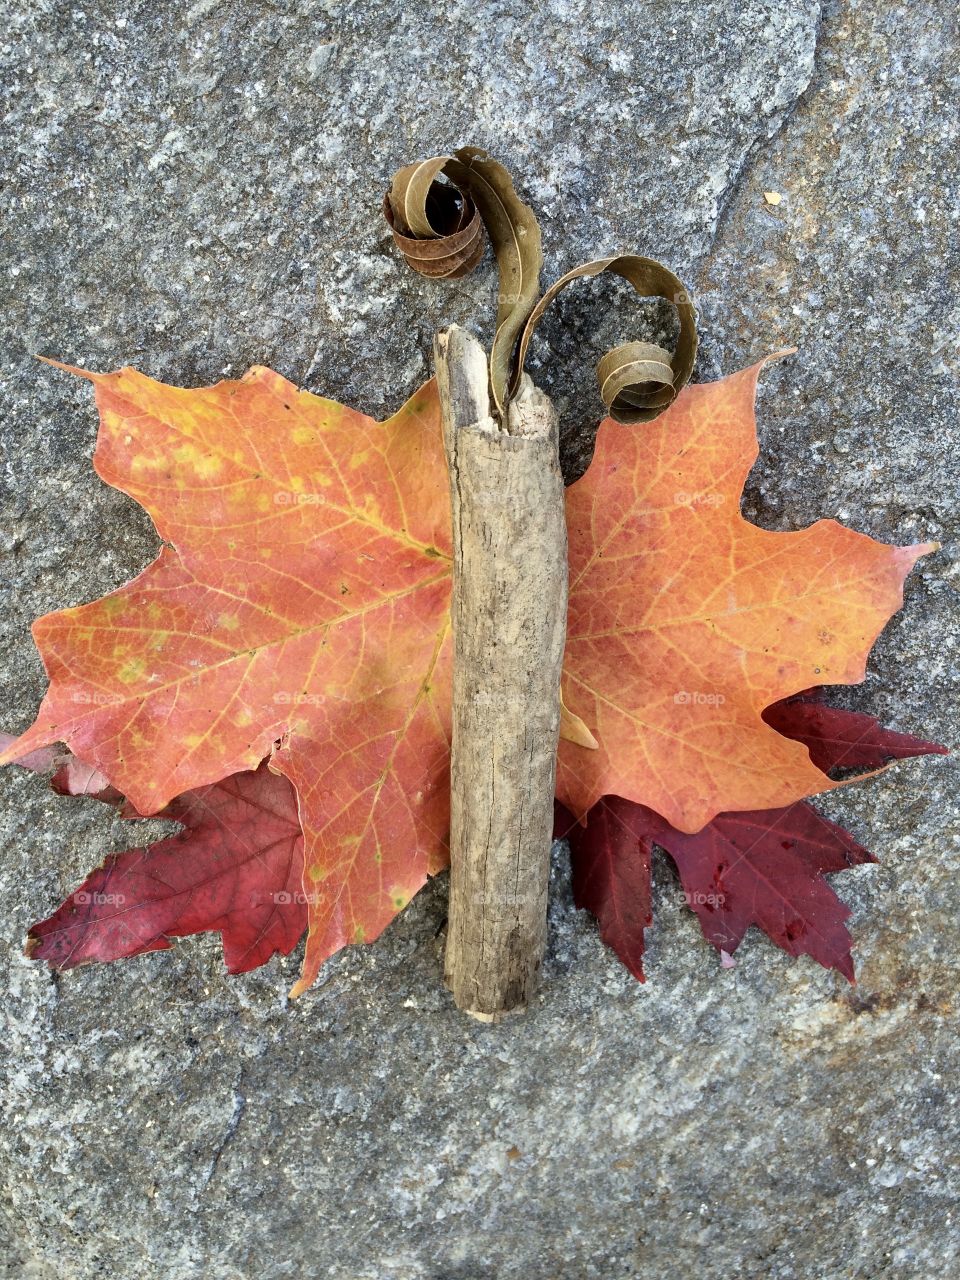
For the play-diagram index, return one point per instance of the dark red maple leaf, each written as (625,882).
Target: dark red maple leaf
(764,867)
(841,739)
(236,869)
(611,874)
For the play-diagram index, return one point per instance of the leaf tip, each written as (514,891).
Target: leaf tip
(926,548)
(70,368)
(13,751)
(573,729)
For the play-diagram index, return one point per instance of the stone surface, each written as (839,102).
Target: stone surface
(195,190)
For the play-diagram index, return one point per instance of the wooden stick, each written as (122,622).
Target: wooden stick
(509,625)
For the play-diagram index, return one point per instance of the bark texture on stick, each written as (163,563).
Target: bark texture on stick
(509,625)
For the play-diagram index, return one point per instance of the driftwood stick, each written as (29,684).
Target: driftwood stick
(509,625)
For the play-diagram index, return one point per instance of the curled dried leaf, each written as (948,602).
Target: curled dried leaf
(438,209)
(411,191)
(515,236)
(638,380)
(438,227)
(435,226)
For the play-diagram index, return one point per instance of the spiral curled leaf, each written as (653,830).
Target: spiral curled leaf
(637,380)
(438,227)
(438,210)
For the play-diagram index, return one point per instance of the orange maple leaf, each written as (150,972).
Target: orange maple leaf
(301,613)
(686,621)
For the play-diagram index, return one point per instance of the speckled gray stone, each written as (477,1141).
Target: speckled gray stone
(196,189)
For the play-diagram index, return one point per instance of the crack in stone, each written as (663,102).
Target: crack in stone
(239,1106)
(748,160)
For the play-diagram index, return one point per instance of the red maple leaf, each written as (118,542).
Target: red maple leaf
(610,861)
(235,869)
(841,739)
(763,867)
